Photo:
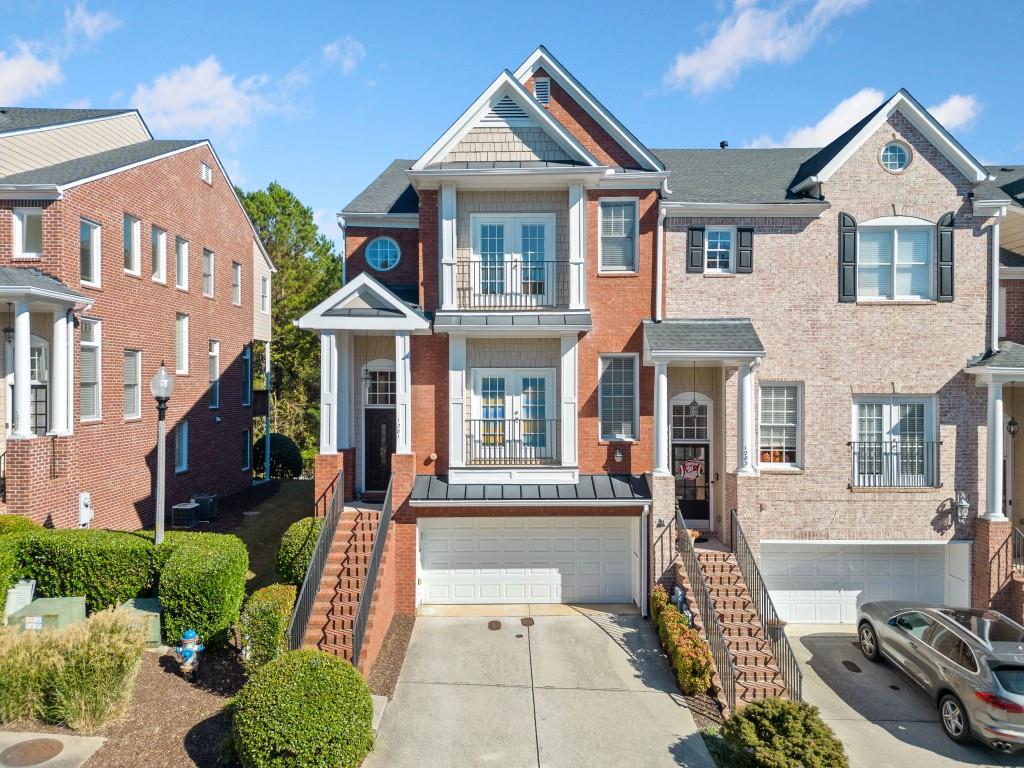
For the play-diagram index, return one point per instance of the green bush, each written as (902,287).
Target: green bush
(78,677)
(778,733)
(285,456)
(202,585)
(659,599)
(106,567)
(689,654)
(8,566)
(264,625)
(296,550)
(304,708)
(16,524)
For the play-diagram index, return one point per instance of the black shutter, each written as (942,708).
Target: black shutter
(944,272)
(745,249)
(695,250)
(847,257)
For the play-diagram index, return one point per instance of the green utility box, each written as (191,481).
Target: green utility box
(49,613)
(147,609)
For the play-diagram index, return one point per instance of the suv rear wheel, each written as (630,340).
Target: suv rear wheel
(868,641)
(954,719)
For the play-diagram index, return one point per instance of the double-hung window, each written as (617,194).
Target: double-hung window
(132,245)
(513,262)
(895,262)
(132,384)
(617,398)
(720,250)
(158,244)
(28,233)
(247,374)
(181,263)
(214,357)
(207,272)
(181,446)
(617,244)
(89,373)
(780,425)
(89,251)
(894,442)
(181,343)
(236,283)
(264,294)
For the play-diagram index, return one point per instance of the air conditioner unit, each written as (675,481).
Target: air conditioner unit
(184,515)
(207,512)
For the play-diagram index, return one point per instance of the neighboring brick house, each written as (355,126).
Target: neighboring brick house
(119,252)
(552,338)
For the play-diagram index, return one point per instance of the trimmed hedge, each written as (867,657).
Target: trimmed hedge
(8,566)
(778,733)
(285,456)
(264,625)
(689,654)
(304,708)
(296,550)
(16,524)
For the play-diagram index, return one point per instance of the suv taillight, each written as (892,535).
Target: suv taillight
(999,702)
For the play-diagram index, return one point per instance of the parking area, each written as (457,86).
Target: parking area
(882,718)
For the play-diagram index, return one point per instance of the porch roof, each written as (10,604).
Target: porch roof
(716,339)
(1009,357)
(525,322)
(592,490)
(31,283)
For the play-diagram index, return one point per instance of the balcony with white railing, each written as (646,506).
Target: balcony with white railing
(906,463)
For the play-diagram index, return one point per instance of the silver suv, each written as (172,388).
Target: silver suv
(971,663)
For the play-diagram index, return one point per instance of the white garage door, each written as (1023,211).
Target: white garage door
(528,559)
(821,583)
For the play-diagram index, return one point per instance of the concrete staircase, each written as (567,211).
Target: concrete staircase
(757,674)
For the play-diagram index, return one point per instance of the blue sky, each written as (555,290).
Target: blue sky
(322,98)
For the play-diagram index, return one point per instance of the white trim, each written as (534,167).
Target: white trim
(636,234)
(541,58)
(506,179)
(503,85)
(410,320)
(213,354)
(636,397)
(264,294)
(377,239)
(180,284)
(236,283)
(135,251)
(137,353)
(96,246)
(185,349)
(1011,273)
(378,364)
(83,121)
(1001,322)
(18,233)
(212,273)
(684,399)
(478,324)
(98,345)
(161,275)
(30,192)
(533,475)
(388,220)
(799,463)
(808,210)
(732,249)
(247,466)
(894,224)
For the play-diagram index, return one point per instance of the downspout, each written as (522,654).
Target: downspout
(266,419)
(993,344)
(645,546)
(659,266)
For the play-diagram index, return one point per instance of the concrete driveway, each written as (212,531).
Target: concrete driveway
(585,687)
(882,718)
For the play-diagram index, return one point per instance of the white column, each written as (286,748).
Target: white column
(745,460)
(343,386)
(661,425)
(994,467)
(403,393)
(456,400)
(577,246)
(569,386)
(328,393)
(59,373)
(448,235)
(22,381)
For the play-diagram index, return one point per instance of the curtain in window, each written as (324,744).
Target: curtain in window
(874,264)
(779,415)
(912,251)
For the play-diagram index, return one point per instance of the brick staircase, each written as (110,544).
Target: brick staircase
(757,674)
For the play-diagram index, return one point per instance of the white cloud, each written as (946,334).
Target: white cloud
(347,52)
(752,34)
(24,74)
(80,24)
(842,116)
(958,111)
(200,100)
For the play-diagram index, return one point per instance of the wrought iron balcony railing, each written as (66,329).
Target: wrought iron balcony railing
(511,442)
(509,284)
(906,463)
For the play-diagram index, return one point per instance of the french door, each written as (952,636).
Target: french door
(513,261)
(512,417)
(894,443)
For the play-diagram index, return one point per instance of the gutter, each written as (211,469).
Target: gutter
(30,192)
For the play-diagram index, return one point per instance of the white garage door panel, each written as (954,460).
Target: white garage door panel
(526,560)
(820,583)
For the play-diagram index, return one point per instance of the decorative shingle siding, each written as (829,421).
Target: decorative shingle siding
(507,144)
(514,353)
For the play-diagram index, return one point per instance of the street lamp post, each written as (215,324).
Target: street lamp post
(162,386)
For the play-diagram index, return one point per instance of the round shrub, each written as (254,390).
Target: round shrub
(296,550)
(264,625)
(778,733)
(285,456)
(16,524)
(692,660)
(304,708)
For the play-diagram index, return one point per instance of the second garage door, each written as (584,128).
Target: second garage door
(529,559)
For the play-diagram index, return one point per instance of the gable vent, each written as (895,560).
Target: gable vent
(542,89)
(506,112)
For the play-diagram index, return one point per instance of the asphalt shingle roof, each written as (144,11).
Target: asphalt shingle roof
(390,192)
(1008,185)
(733,175)
(1010,355)
(24,118)
(102,162)
(29,277)
(1008,258)
(596,488)
(734,334)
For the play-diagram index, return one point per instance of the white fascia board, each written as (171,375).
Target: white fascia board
(43,294)
(1011,273)
(504,82)
(633,180)
(413,324)
(315,319)
(543,59)
(30,192)
(389,220)
(808,210)
(723,357)
(84,121)
(986,209)
(507,178)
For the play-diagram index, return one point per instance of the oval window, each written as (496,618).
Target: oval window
(382,254)
(895,157)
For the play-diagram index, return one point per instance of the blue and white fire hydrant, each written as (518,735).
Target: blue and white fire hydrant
(187,653)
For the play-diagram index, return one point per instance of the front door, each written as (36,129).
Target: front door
(380,444)
(691,466)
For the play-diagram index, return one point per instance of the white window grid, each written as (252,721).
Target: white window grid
(720,249)
(91,370)
(617,397)
(208,265)
(236,283)
(618,234)
(181,343)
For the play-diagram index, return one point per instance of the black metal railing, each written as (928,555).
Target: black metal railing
(366,596)
(3,476)
(903,463)
(774,627)
(512,284)
(315,571)
(1018,547)
(712,626)
(503,442)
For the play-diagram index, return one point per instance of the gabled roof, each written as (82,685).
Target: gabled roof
(543,59)
(80,168)
(364,304)
(830,158)
(505,85)
(390,192)
(13,119)
(733,175)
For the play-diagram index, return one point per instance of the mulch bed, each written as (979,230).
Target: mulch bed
(384,675)
(705,710)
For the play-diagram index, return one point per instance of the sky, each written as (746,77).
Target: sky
(322,96)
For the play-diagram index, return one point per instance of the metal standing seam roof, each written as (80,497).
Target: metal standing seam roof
(1010,355)
(102,162)
(734,334)
(581,320)
(620,488)
(29,277)
(26,118)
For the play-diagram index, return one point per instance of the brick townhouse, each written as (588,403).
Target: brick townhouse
(552,339)
(119,252)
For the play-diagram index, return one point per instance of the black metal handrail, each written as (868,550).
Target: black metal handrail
(370,584)
(512,284)
(905,463)
(774,627)
(3,476)
(1018,547)
(712,626)
(512,441)
(315,571)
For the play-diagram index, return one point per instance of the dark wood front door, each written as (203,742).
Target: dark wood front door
(691,464)
(380,444)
